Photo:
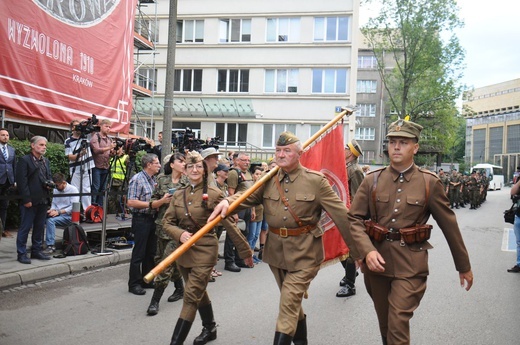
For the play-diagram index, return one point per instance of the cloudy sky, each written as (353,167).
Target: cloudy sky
(491,38)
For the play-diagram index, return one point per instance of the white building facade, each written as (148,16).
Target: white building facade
(247,70)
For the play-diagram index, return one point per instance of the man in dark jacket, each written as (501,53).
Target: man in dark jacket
(7,169)
(34,181)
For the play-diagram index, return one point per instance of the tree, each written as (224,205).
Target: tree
(409,34)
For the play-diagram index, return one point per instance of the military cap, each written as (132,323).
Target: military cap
(167,159)
(193,157)
(221,167)
(354,147)
(210,151)
(287,138)
(404,129)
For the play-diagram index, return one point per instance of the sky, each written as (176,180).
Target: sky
(491,39)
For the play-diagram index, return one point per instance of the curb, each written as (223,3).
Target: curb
(33,275)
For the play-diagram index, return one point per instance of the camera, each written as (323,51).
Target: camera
(212,142)
(49,184)
(187,141)
(132,146)
(88,126)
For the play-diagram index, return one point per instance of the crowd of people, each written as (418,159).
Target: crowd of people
(385,227)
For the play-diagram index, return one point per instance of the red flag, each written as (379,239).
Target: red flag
(328,157)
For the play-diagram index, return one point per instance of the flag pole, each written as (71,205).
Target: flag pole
(161,266)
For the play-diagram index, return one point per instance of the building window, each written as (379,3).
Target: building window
(233,134)
(367,110)
(367,157)
(235,30)
(365,133)
(281,80)
(283,30)
(367,62)
(233,80)
(189,31)
(188,80)
(513,144)
(314,129)
(331,29)
(366,86)
(479,146)
(147,78)
(273,131)
(329,81)
(496,138)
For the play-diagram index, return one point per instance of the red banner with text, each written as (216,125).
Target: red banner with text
(328,157)
(62,60)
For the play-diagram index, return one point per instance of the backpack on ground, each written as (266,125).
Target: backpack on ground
(75,241)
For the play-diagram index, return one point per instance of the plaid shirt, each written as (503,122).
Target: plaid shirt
(141,188)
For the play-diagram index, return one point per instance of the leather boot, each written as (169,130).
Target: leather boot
(209,332)
(282,339)
(182,328)
(179,291)
(384,340)
(153,308)
(300,337)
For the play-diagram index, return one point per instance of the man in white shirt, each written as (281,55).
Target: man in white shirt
(61,210)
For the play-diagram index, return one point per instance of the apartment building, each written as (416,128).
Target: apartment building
(493,125)
(247,70)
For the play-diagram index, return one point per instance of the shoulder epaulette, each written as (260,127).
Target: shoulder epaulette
(426,171)
(373,171)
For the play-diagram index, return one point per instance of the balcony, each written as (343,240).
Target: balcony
(145,30)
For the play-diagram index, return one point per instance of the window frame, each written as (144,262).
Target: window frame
(372,88)
(322,29)
(274,130)
(286,78)
(292,26)
(324,80)
(197,31)
(242,80)
(365,133)
(180,79)
(228,25)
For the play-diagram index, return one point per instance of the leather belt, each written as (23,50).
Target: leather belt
(393,236)
(285,232)
(143,215)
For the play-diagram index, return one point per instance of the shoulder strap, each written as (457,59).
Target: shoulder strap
(427,180)
(374,187)
(286,203)
(188,213)
(83,235)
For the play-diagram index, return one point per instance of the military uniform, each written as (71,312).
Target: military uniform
(399,202)
(474,190)
(454,190)
(198,261)
(295,260)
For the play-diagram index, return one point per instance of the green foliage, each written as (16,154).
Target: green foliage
(416,36)
(59,163)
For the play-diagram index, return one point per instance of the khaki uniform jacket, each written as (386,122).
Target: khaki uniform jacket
(400,203)
(355,177)
(309,194)
(164,183)
(175,222)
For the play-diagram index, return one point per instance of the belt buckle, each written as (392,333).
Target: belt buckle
(388,238)
(283,232)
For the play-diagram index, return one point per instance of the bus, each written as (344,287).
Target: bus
(494,173)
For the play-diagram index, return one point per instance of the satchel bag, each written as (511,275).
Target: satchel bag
(509,215)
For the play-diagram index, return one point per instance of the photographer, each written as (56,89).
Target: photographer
(33,178)
(81,162)
(101,146)
(118,168)
(515,195)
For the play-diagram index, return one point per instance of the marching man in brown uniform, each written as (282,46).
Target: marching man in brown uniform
(398,201)
(293,202)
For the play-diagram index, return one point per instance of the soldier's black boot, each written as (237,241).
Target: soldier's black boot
(209,332)
(179,291)
(384,340)
(153,309)
(282,339)
(182,328)
(300,337)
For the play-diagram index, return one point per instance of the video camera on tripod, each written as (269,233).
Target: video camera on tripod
(133,145)
(187,140)
(88,126)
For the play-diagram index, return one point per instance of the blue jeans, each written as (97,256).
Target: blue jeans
(254,232)
(50,233)
(516,227)
(99,181)
(31,217)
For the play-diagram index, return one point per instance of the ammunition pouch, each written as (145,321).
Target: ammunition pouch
(416,234)
(375,231)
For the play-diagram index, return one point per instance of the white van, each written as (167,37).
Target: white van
(493,172)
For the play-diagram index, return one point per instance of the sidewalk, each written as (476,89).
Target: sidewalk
(13,273)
